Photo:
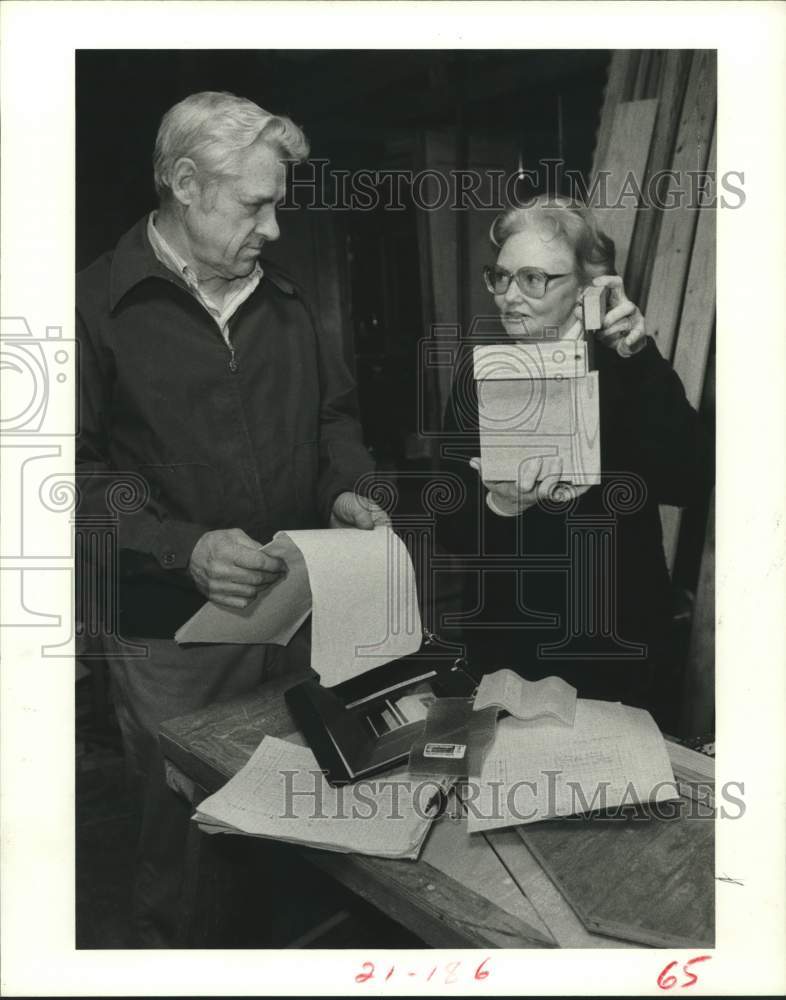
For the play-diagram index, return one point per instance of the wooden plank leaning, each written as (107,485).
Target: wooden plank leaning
(678,224)
(696,325)
(621,171)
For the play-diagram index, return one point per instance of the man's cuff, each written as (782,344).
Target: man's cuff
(341,468)
(175,543)
(331,489)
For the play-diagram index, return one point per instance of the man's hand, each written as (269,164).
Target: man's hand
(230,569)
(353,511)
(624,328)
(539,479)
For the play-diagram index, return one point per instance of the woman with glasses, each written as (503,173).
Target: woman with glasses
(572,581)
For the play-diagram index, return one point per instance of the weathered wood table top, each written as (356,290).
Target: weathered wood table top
(465,892)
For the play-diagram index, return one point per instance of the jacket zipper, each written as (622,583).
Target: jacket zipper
(234,366)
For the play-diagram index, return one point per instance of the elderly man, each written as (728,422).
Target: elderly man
(205,376)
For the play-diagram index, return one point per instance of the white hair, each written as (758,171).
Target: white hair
(565,218)
(211,128)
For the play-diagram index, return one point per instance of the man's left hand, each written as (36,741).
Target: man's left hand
(353,511)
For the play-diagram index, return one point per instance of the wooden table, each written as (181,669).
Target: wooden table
(484,891)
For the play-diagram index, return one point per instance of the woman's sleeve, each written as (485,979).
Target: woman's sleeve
(653,430)
(456,521)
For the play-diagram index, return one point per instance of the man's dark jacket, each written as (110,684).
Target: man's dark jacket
(263,440)
(595,568)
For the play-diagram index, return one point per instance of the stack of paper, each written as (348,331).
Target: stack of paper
(282,794)
(365,600)
(695,773)
(613,755)
(360,586)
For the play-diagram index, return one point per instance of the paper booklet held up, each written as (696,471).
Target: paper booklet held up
(359,587)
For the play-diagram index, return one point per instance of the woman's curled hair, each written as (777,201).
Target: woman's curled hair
(559,217)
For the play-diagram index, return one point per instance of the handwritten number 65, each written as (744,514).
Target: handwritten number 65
(667,980)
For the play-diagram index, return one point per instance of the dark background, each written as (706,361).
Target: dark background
(355,107)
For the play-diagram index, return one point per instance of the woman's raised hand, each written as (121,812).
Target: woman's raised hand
(624,328)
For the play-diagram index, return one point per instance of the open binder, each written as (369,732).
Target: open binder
(341,723)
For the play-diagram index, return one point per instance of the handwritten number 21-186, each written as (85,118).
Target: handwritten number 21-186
(451,972)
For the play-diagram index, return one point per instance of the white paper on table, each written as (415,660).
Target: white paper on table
(273,617)
(365,602)
(613,755)
(380,817)
(551,696)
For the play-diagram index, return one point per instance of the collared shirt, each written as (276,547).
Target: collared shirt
(239,289)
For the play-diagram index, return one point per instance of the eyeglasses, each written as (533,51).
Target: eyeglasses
(530,280)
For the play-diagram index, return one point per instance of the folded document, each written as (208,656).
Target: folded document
(613,755)
(282,794)
(551,696)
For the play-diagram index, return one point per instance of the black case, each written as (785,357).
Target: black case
(336,721)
